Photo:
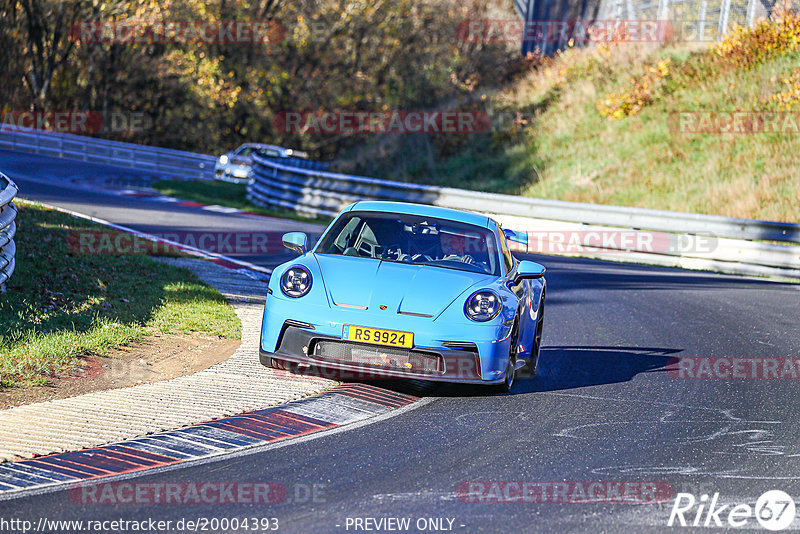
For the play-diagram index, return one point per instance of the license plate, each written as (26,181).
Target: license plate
(378,336)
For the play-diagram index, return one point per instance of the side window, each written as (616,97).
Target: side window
(346,236)
(508,260)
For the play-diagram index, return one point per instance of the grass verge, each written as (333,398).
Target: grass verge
(63,305)
(215,192)
(602,125)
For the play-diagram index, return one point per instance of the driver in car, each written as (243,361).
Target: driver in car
(454,248)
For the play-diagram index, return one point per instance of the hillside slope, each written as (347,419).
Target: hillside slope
(634,125)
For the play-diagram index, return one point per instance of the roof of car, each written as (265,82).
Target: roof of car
(423,210)
(261,145)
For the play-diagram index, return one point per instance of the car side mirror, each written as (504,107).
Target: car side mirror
(297,241)
(517,237)
(529,270)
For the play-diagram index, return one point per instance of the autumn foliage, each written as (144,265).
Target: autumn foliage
(359,55)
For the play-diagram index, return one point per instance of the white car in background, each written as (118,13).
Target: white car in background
(236,165)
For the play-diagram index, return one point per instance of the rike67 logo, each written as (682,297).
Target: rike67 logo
(774,510)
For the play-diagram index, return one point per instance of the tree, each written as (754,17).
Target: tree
(45,26)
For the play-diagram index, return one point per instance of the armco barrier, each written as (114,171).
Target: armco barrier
(8,228)
(737,246)
(741,246)
(163,161)
(301,163)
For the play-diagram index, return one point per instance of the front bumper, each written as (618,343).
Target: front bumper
(233,172)
(346,360)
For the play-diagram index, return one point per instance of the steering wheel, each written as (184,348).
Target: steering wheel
(416,252)
(395,252)
(466,258)
(415,257)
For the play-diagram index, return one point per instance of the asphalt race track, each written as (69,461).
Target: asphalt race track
(603,407)
(74,185)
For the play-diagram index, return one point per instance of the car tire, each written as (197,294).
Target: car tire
(533,362)
(511,363)
(283,365)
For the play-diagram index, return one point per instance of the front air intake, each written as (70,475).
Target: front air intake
(378,357)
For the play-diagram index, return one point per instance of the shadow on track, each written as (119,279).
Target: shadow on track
(563,368)
(560,368)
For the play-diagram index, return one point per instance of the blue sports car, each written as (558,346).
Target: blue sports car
(396,290)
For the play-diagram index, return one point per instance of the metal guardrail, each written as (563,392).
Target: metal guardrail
(301,163)
(730,245)
(164,161)
(739,245)
(8,227)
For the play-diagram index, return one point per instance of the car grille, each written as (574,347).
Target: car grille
(381,357)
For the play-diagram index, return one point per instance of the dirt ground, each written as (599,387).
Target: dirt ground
(159,357)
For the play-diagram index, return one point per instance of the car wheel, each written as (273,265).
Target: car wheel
(511,364)
(533,363)
(266,361)
(283,365)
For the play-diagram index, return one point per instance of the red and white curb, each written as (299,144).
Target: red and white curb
(146,195)
(343,405)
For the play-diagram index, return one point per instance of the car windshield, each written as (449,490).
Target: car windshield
(413,239)
(268,153)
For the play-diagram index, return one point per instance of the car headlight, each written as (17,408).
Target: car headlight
(296,282)
(223,160)
(482,305)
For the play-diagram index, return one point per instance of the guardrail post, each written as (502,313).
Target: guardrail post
(724,13)
(7,229)
(701,21)
(751,13)
(663,9)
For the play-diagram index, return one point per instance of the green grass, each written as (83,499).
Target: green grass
(569,151)
(641,161)
(63,305)
(215,192)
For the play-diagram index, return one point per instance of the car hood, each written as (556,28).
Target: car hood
(413,289)
(240,160)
